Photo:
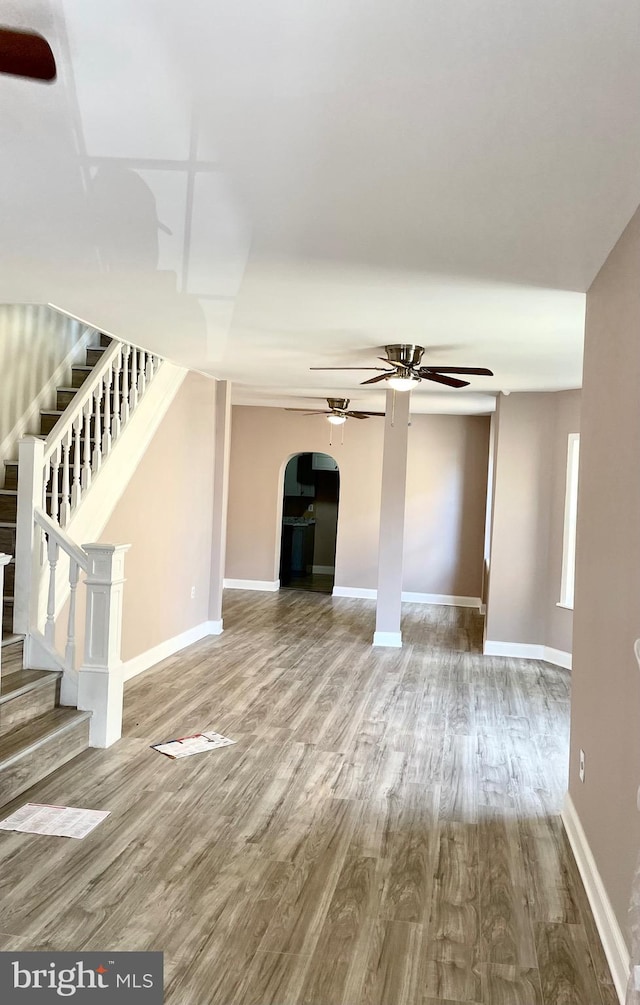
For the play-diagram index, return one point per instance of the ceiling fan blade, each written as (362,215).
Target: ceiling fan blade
(318,411)
(349,368)
(374,380)
(26,54)
(440,378)
(407,366)
(481,371)
(363,415)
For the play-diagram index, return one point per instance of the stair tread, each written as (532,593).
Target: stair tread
(19,741)
(13,684)
(81,366)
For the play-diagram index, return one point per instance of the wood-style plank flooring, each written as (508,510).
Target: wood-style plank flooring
(385,831)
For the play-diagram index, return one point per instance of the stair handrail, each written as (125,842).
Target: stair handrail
(74,551)
(120,379)
(85,392)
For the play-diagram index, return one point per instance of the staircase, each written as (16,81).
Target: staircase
(36,734)
(9,493)
(60,461)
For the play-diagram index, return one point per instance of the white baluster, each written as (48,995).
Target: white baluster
(70,650)
(50,627)
(149,368)
(116,424)
(133,391)
(142,379)
(86,455)
(76,488)
(55,468)
(106,436)
(65,503)
(124,405)
(96,459)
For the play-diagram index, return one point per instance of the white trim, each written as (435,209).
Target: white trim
(268,585)
(163,650)
(354,591)
(390,639)
(526,651)
(410,598)
(323,570)
(611,936)
(444,599)
(558,656)
(567,578)
(565,607)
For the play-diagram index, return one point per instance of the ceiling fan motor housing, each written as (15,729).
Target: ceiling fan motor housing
(339,404)
(404,355)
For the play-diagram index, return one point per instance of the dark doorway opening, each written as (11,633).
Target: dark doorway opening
(309,523)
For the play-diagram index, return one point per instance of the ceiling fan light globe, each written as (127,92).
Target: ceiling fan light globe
(402,383)
(336,420)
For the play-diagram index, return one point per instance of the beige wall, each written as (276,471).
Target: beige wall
(528,519)
(165,514)
(606,682)
(445,506)
(447,482)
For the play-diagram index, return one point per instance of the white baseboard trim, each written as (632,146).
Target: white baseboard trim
(358,592)
(323,570)
(444,599)
(558,656)
(408,597)
(527,651)
(138,664)
(613,942)
(391,639)
(267,585)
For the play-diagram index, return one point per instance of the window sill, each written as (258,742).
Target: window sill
(565,607)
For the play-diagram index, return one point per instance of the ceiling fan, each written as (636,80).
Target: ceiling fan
(406,370)
(338,411)
(26,54)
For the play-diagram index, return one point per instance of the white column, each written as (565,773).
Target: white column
(100,684)
(4,560)
(222,447)
(394,485)
(30,495)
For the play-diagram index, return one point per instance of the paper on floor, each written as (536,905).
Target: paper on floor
(57,821)
(195,744)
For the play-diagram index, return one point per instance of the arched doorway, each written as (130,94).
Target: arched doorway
(309,523)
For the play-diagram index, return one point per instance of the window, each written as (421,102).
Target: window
(570,514)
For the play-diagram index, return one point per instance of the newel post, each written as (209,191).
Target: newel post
(4,560)
(30,494)
(100,684)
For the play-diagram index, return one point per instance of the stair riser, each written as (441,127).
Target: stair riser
(36,765)
(10,476)
(25,707)
(12,658)
(8,508)
(7,616)
(94,356)
(8,540)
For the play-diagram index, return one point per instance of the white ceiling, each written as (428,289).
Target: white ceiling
(253,187)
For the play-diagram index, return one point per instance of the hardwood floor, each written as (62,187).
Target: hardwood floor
(385,831)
